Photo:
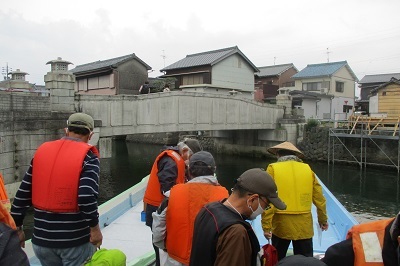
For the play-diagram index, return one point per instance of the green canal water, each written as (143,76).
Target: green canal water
(368,195)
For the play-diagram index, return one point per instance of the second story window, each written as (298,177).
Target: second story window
(339,86)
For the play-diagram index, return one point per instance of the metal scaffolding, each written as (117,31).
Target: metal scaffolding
(363,132)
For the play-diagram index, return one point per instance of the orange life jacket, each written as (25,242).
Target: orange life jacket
(368,242)
(184,203)
(3,194)
(153,194)
(57,166)
(5,216)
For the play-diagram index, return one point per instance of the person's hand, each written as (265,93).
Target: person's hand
(96,237)
(324,226)
(268,234)
(21,236)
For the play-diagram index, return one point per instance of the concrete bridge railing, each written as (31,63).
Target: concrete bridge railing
(177,111)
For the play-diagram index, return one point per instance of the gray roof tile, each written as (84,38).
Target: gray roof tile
(379,78)
(207,58)
(273,70)
(113,62)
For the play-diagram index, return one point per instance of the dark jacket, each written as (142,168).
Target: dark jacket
(10,249)
(211,221)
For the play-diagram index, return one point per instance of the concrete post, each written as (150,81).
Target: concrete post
(105,147)
(61,84)
(284,99)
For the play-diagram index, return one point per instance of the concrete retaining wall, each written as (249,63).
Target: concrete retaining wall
(316,146)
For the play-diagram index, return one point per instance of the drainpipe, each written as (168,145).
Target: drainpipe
(316,108)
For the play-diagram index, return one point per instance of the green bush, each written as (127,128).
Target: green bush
(311,123)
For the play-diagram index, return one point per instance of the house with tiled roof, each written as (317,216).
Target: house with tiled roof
(335,79)
(270,78)
(369,83)
(384,100)
(120,75)
(223,71)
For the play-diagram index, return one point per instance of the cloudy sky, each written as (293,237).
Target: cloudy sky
(366,33)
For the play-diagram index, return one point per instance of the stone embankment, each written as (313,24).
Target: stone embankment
(376,150)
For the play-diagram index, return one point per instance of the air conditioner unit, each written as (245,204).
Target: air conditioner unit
(324,90)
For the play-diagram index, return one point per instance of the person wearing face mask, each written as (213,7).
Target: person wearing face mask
(168,169)
(222,236)
(299,188)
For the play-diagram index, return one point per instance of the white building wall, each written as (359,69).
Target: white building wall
(373,104)
(324,107)
(337,107)
(344,76)
(233,72)
(310,108)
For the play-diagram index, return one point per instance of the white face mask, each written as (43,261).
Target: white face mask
(257,212)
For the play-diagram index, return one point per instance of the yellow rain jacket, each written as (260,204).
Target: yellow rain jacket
(299,189)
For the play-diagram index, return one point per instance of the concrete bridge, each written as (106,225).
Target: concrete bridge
(27,120)
(177,111)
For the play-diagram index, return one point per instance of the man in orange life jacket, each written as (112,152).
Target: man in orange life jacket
(375,243)
(168,169)
(174,220)
(62,183)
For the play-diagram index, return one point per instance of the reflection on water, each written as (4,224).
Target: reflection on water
(368,195)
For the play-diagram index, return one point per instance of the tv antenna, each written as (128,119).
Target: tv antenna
(163,56)
(6,71)
(327,53)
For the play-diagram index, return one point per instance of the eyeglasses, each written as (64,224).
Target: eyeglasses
(268,206)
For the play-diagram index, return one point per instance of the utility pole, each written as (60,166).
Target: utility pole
(327,53)
(6,71)
(163,56)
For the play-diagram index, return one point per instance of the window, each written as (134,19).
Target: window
(347,108)
(383,93)
(288,84)
(339,86)
(192,79)
(312,86)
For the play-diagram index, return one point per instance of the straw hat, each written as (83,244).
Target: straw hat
(286,146)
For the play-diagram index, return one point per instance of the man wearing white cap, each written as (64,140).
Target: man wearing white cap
(222,236)
(299,188)
(169,169)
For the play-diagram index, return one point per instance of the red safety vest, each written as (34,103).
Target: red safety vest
(184,203)
(57,166)
(368,242)
(153,194)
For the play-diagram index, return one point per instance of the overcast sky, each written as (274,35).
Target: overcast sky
(366,33)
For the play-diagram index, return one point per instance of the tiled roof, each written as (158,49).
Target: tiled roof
(273,70)
(324,69)
(207,58)
(391,81)
(380,78)
(308,94)
(114,62)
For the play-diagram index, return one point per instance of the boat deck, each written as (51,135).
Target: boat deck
(122,228)
(128,234)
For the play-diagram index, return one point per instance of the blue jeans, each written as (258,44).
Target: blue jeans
(64,256)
